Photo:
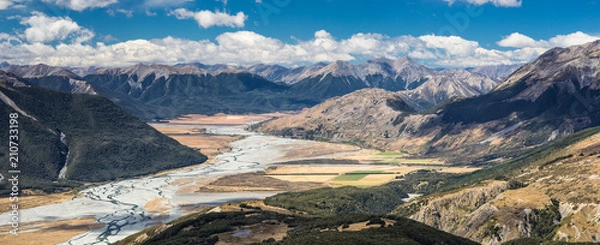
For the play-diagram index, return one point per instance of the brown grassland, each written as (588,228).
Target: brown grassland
(49,232)
(35,200)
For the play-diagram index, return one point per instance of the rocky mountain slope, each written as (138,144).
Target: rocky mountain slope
(282,74)
(66,139)
(363,117)
(336,79)
(165,92)
(447,84)
(394,75)
(554,95)
(548,194)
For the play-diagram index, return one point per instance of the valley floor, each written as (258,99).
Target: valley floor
(242,165)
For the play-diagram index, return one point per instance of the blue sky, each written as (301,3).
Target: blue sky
(450,33)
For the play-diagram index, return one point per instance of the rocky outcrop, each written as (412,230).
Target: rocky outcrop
(464,213)
(554,197)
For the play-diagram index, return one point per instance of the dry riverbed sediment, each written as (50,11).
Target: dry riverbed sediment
(118,209)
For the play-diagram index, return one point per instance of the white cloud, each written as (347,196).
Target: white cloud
(80,5)
(127,13)
(165,3)
(572,39)
(42,28)
(246,47)
(4,4)
(207,19)
(497,3)
(150,13)
(109,38)
(450,45)
(8,37)
(518,40)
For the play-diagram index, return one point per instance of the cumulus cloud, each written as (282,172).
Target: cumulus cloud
(247,47)
(518,40)
(572,39)
(42,28)
(80,5)
(497,3)
(450,45)
(207,19)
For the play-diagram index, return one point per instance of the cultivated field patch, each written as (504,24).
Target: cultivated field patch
(352,175)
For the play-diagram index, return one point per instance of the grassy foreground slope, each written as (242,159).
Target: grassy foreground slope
(251,225)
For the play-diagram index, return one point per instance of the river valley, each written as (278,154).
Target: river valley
(247,165)
(121,206)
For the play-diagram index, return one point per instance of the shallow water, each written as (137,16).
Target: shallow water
(120,204)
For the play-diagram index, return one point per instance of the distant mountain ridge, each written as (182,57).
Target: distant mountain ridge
(445,85)
(497,72)
(163,91)
(53,77)
(405,67)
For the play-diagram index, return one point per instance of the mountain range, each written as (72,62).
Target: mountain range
(536,132)
(553,96)
(162,91)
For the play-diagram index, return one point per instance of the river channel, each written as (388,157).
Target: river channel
(120,205)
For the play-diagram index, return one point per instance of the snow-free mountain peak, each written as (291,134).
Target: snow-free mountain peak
(497,72)
(337,69)
(569,69)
